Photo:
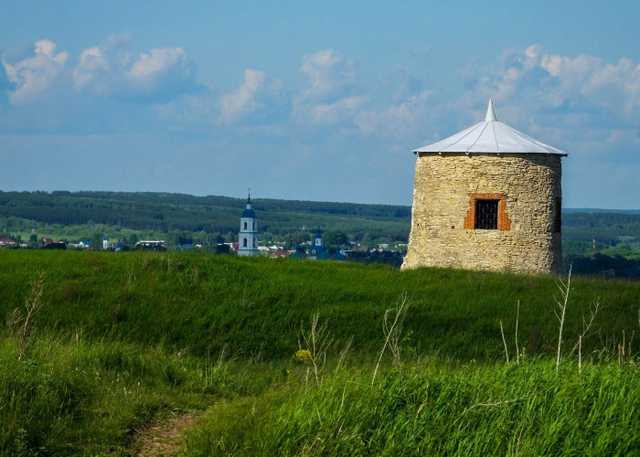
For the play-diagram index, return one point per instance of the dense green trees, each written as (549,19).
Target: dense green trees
(211,214)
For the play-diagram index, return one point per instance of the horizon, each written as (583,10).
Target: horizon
(321,103)
(253,198)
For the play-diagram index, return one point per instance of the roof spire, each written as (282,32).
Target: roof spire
(491,112)
(249,197)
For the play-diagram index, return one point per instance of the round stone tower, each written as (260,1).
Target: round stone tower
(487,198)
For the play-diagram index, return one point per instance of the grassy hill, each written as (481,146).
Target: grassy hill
(121,340)
(201,303)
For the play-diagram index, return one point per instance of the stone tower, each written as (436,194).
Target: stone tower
(487,198)
(248,236)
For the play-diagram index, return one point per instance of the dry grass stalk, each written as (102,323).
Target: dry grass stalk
(586,327)
(516,332)
(561,311)
(21,320)
(392,332)
(343,354)
(504,342)
(580,354)
(316,341)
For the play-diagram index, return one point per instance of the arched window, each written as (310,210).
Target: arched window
(254,243)
(253,226)
(244,242)
(245,225)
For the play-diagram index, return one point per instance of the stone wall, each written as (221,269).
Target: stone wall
(528,188)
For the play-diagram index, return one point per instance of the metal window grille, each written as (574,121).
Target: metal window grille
(487,214)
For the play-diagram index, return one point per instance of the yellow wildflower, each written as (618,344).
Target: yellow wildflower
(303,355)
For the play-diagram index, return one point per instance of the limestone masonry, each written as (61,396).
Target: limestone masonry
(487,198)
(446,187)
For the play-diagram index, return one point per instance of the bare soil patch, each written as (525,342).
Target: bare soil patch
(164,438)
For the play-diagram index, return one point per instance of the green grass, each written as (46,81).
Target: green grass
(470,410)
(123,339)
(202,303)
(79,398)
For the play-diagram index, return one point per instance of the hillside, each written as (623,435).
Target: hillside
(121,341)
(202,303)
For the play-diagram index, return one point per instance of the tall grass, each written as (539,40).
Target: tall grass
(434,410)
(113,341)
(252,307)
(77,398)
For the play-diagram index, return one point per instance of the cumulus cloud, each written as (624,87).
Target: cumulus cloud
(575,102)
(244,99)
(33,75)
(158,75)
(92,71)
(578,84)
(341,110)
(401,119)
(6,86)
(161,71)
(258,99)
(330,75)
(331,95)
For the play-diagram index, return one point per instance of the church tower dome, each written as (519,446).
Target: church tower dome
(248,235)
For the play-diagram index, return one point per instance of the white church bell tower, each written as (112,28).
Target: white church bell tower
(248,236)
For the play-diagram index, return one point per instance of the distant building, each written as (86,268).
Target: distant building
(317,250)
(48,243)
(7,242)
(248,236)
(224,248)
(488,198)
(151,245)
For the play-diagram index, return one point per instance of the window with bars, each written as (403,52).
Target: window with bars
(486,214)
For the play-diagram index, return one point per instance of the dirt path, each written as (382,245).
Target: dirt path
(164,438)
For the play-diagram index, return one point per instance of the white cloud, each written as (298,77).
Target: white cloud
(92,71)
(329,74)
(583,82)
(342,110)
(34,75)
(244,99)
(258,100)
(331,95)
(158,75)
(398,120)
(162,68)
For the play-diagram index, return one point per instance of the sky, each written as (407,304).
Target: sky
(309,100)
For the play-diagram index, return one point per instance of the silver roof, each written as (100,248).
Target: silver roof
(491,137)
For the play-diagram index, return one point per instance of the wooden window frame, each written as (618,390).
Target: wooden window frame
(504,223)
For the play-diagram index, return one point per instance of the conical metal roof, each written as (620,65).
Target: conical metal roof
(490,137)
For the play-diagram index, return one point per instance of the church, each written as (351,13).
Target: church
(248,235)
(487,198)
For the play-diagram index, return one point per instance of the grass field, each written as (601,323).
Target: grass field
(526,410)
(121,339)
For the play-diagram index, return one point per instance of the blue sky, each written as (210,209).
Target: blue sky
(320,101)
